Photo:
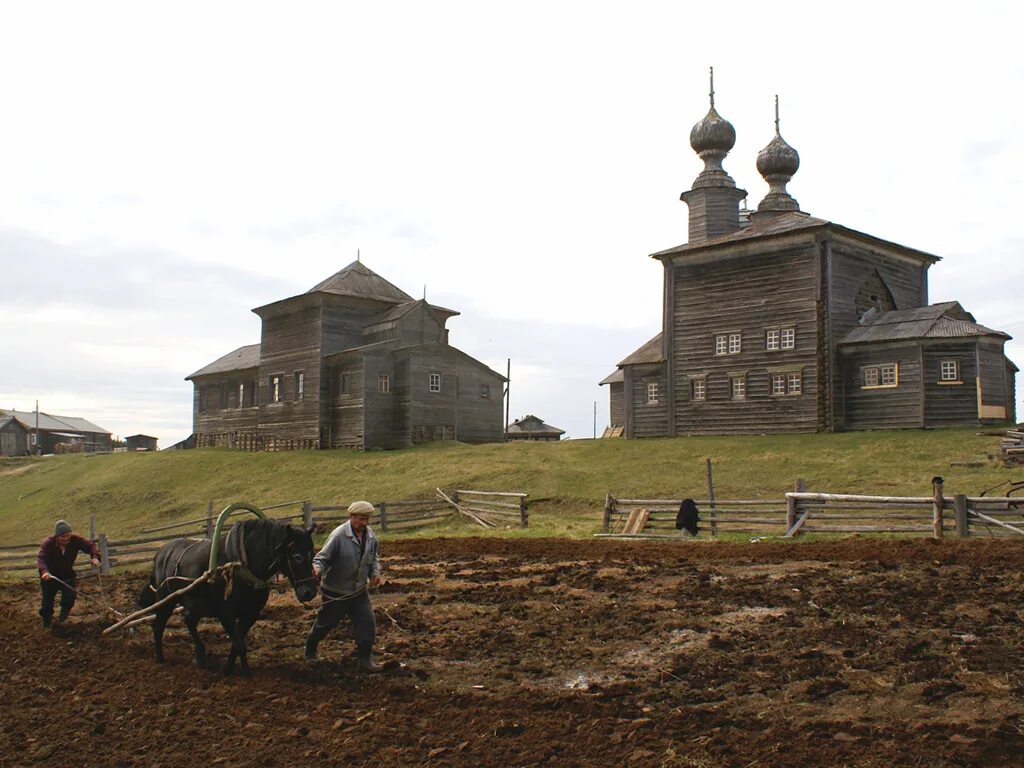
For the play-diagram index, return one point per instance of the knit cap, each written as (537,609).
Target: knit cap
(61,527)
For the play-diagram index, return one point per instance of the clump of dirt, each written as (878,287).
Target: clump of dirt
(562,653)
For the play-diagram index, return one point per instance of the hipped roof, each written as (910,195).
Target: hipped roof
(947,320)
(648,353)
(239,360)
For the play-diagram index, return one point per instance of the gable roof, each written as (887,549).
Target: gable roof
(359,280)
(51,423)
(648,353)
(240,359)
(397,313)
(613,378)
(7,420)
(535,426)
(947,320)
(782,224)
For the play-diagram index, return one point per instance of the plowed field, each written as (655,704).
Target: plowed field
(560,653)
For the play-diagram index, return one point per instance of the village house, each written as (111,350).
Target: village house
(46,433)
(140,443)
(777,321)
(531,427)
(354,362)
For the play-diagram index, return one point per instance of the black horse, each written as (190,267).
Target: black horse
(263,547)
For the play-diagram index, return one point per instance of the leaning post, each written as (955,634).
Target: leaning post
(104,555)
(938,501)
(383,515)
(523,519)
(963,529)
(711,499)
(609,504)
(307,514)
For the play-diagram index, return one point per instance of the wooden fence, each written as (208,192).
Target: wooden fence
(388,517)
(827,513)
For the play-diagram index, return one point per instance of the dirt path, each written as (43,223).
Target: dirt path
(561,653)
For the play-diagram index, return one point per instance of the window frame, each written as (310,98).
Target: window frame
(241,394)
(738,338)
(721,344)
(383,383)
(275,387)
(300,386)
(653,393)
(880,370)
(778,384)
(485,391)
(943,379)
(434,382)
(799,389)
(787,337)
(701,383)
(769,333)
(738,387)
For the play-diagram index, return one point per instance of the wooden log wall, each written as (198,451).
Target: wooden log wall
(950,404)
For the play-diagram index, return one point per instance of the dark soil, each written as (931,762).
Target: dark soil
(560,653)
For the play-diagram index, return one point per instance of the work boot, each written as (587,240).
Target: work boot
(62,617)
(366,662)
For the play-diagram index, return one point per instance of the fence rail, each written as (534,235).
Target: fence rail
(388,516)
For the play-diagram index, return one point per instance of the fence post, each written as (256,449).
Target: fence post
(791,504)
(307,514)
(384,516)
(104,555)
(963,530)
(609,505)
(711,500)
(209,519)
(523,519)
(937,507)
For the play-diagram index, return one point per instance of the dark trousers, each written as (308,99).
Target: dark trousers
(358,609)
(49,588)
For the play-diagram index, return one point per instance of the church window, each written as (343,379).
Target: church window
(241,394)
(698,389)
(734,343)
(384,383)
(739,387)
(778,383)
(949,370)
(276,388)
(435,382)
(772,339)
(721,343)
(788,338)
(300,385)
(886,375)
(652,393)
(794,383)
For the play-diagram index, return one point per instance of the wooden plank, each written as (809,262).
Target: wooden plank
(636,522)
(909,500)
(493,493)
(992,520)
(795,529)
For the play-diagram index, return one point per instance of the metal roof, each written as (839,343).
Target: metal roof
(947,320)
(239,360)
(648,353)
(50,423)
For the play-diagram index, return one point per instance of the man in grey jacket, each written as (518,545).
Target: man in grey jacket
(347,567)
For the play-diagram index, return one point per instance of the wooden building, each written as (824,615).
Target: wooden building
(778,321)
(140,443)
(14,437)
(61,434)
(354,362)
(531,427)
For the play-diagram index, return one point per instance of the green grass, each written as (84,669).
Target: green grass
(566,481)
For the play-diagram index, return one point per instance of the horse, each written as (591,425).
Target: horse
(263,547)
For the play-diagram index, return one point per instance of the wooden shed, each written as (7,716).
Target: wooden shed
(140,443)
(14,437)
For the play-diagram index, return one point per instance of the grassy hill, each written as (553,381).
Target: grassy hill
(566,481)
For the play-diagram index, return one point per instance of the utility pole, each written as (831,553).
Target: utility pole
(595,419)
(35,442)
(508,387)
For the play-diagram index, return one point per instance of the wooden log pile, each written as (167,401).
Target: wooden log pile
(1011,448)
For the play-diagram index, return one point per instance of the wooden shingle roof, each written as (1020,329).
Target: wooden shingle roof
(947,320)
(648,353)
(239,360)
(359,280)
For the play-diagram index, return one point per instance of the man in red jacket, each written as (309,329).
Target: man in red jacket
(56,563)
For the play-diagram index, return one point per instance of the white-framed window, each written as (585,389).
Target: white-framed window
(721,344)
(734,343)
(771,339)
(778,383)
(435,382)
(949,370)
(885,375)
(794,383)
(276,388)
(698,389)
(241,394)
(789,338)
(485,391)
(300,385)
(384,383)
(739,387)
(652,393)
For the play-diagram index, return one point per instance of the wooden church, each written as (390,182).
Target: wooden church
(354,362)
(777,321)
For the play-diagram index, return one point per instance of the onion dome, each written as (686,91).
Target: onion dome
(777,163)
(711,139)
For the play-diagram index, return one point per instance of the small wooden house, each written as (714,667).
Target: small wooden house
(532,428)
(778,321)
(14,437)
(140,443)
(354,362)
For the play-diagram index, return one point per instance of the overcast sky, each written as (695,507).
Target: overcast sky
(165,168)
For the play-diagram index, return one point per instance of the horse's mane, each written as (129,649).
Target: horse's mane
(241,532)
